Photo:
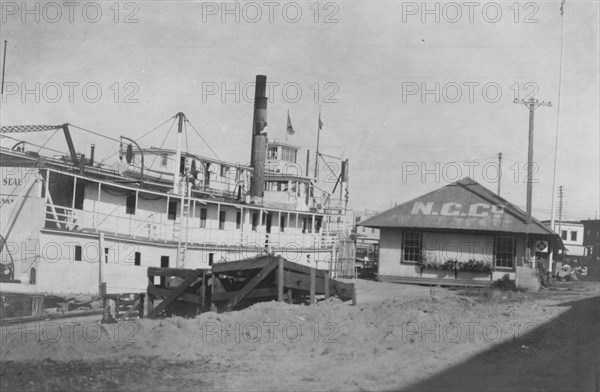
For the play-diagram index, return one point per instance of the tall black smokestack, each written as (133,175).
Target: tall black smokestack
(259,140)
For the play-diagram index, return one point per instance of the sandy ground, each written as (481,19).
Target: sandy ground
(399,337)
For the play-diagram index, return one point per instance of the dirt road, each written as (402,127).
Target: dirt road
(399,337)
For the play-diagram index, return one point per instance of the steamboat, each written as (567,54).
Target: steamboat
(73,225)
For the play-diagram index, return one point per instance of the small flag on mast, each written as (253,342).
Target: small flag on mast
(320,122)
(562,7)
(290,129)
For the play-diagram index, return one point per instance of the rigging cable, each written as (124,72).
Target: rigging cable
(198,133)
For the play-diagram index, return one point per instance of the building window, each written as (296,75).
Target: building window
(202,217)
(272,153)
(172,210)
(372,230)
(254,220)
(573,236)
(411,245)
(505,252)
(282,223)
(222,215)
(77,253)
(130,205)
(238,220)
(138,259)
(563,235)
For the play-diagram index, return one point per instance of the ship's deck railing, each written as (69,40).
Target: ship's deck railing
(70,219)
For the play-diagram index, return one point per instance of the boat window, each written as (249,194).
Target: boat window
(272,153)
(172,210)
(282,223)
(138,258)
(130,205)
(163,162)
(202,217)
(254,220)
(32,276)
(77,253)
(79,193)
(238,220)
(222,216)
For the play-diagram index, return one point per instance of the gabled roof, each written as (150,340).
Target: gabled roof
(463,205)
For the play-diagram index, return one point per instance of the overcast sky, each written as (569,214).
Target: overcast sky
(366,63)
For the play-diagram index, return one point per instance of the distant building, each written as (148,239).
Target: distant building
(367,240)
(366,233)
(591,238)
(572,234)
(463,225)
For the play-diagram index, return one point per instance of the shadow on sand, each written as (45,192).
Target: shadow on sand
(561,355)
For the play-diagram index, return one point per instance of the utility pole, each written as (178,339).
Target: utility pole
(561,193)
(499,171)
(531,104)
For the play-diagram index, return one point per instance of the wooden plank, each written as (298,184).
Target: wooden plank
(197,299)
(280,278)
(203,290)
(135,305)
(179,272)
(250,285)
(326,284)
(435,281)
(175,293)
(303,269)
(150,296)
(256,293)
(313,284)
(296,280)
(253,263)
(343,290)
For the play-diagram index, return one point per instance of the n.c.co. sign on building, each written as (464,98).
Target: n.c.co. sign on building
(476,210)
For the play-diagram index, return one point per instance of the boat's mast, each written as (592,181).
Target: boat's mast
(178,153)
